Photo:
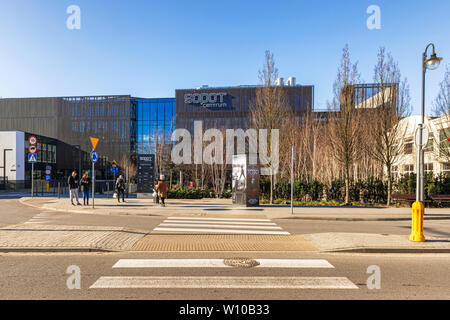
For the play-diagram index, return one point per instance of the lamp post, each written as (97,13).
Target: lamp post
(431,63)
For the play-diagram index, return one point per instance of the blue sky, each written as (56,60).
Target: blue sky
(150,48)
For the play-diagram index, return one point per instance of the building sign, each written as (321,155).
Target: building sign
(239,179)
(146,173)
(206,100)
(252,192)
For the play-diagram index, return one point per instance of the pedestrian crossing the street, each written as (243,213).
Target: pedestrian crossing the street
(221,282)
(215,225)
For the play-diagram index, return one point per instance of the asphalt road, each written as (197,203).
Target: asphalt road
(43,276)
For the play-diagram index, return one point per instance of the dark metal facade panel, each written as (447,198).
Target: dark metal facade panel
(235,110)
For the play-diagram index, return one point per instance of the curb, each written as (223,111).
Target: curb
(388,250)
(360,219)
(53,250)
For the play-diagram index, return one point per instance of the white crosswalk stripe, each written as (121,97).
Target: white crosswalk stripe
(222,282)
(218,263)
(212,225)
(225,282)
(40,218)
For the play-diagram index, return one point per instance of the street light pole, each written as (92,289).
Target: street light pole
(432,64)
(418,208)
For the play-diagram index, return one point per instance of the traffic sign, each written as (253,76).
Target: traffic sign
(48,167)
(32,158)
(425,135)
(94,142)
(114,169)
(47,178)
(114,163)
(94,156)
(32,149)
(32,140)
(48,172)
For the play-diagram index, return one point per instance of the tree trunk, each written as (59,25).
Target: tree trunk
(271,188)
(347,184)
(389,191)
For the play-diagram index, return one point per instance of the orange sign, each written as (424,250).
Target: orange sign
(94,142)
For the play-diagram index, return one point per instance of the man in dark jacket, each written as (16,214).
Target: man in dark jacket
(120,188)
(73,182)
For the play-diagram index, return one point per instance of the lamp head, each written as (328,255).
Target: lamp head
(433,63)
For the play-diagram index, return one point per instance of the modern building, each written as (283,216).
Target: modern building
(51,153)
(125,125)
(229,107)
(437,150)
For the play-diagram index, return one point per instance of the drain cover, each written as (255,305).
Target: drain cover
(241,262)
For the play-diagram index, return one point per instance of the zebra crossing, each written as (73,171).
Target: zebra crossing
(221,282)
(216,225)
(40,218)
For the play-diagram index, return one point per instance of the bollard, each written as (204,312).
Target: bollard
(417,222)
(59,190)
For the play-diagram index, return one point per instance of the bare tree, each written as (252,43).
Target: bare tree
(126,162)
(384,110)
(269,111)
(442,110)
(345,126)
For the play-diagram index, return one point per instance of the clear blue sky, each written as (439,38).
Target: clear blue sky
(150,48)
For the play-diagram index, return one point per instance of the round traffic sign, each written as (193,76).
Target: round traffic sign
(48,172)
(94,156)
(32,149)
(32,140)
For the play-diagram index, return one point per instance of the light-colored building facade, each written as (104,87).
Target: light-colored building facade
(437,150)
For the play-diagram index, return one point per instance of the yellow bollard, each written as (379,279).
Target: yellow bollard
(48,187)
(417,222)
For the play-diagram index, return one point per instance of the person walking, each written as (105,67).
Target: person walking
(120,188)
(85,186)
(162,189)
(73,182)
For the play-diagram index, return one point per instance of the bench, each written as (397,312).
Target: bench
(410,198)
(440,198)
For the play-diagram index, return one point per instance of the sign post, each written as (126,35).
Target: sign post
(94,159)
(32,159)
(292,181)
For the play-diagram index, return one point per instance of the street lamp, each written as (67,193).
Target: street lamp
(431,63)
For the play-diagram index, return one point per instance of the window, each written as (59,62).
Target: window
(408,168)
(428,168)
(444,147)
(446,168)
(429,146)
(408,148)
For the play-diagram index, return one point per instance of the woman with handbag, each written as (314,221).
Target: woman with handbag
(162,189)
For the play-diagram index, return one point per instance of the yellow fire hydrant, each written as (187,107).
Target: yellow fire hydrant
(417,222)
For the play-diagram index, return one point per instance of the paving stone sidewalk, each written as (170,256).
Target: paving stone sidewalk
(67,238)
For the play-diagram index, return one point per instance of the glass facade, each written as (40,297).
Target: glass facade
(155,123)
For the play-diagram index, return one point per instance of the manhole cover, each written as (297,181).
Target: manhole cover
(241,262)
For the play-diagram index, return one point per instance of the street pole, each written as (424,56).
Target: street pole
(93,184)
(418,208)
(292,181)
(32,179)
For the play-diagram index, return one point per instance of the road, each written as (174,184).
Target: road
(43,275)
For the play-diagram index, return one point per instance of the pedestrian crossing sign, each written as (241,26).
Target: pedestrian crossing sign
(32,158)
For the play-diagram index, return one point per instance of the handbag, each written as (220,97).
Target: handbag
(115,195)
